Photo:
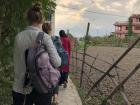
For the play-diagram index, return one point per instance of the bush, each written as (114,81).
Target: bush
(111,41)
(12,16)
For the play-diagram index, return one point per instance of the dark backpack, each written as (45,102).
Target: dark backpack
(61,51)
(40,73)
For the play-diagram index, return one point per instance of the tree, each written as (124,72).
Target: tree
(131,35)
(130,32)
(13,20)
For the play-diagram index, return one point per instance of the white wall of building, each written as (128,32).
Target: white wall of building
(53,24)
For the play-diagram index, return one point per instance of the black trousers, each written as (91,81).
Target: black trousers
(64,77)
(33,98)
(56,89)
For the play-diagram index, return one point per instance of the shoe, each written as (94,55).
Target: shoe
(54,103)
(65,85)
(55,100)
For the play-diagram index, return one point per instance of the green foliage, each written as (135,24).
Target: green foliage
(130,32)
(13,18)
(109,41)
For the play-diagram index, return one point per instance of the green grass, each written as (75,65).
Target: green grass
(82,92)
(110,42)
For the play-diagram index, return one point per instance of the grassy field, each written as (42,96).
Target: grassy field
(109,41)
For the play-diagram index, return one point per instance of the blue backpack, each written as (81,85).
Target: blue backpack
(61,51)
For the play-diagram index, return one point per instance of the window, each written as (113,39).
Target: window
(126,27)
(137,27)
(138,19)
(119,28)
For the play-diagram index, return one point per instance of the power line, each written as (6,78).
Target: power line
(94,12)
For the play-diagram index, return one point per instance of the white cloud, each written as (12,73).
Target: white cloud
(68,2)
(76,19)
(130,5)
(63,17)
(116,4)
(105,6)
(65,2)
(109,8)
(99,4)
(68,16)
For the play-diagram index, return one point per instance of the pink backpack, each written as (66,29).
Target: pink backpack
(41,74)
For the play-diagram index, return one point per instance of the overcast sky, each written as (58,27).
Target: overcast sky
(83,11)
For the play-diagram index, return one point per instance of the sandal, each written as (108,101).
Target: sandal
(54,103)
(55,100)
(65,85)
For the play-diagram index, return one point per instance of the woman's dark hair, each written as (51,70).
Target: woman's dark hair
(62,33)
(35,13)
(46,27)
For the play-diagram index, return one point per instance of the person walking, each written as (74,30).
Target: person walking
(23,40)
(64,70)
(46,27)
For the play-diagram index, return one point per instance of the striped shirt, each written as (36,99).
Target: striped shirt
(23,41)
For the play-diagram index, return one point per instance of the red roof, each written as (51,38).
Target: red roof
(135,15)
(121,23)
(125,23)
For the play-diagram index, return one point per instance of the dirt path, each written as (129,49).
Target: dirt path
(132,87)
(69,96)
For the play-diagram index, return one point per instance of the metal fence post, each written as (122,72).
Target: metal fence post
(121,84)
(76,58)
(85,47)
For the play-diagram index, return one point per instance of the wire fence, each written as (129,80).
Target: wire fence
(98,80)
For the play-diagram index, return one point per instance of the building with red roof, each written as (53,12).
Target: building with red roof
(121,28)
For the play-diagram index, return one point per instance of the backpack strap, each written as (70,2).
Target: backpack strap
(39,38)
(39,41)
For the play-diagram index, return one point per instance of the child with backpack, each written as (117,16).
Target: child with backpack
(46,27)
(64,55)
(35,60)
